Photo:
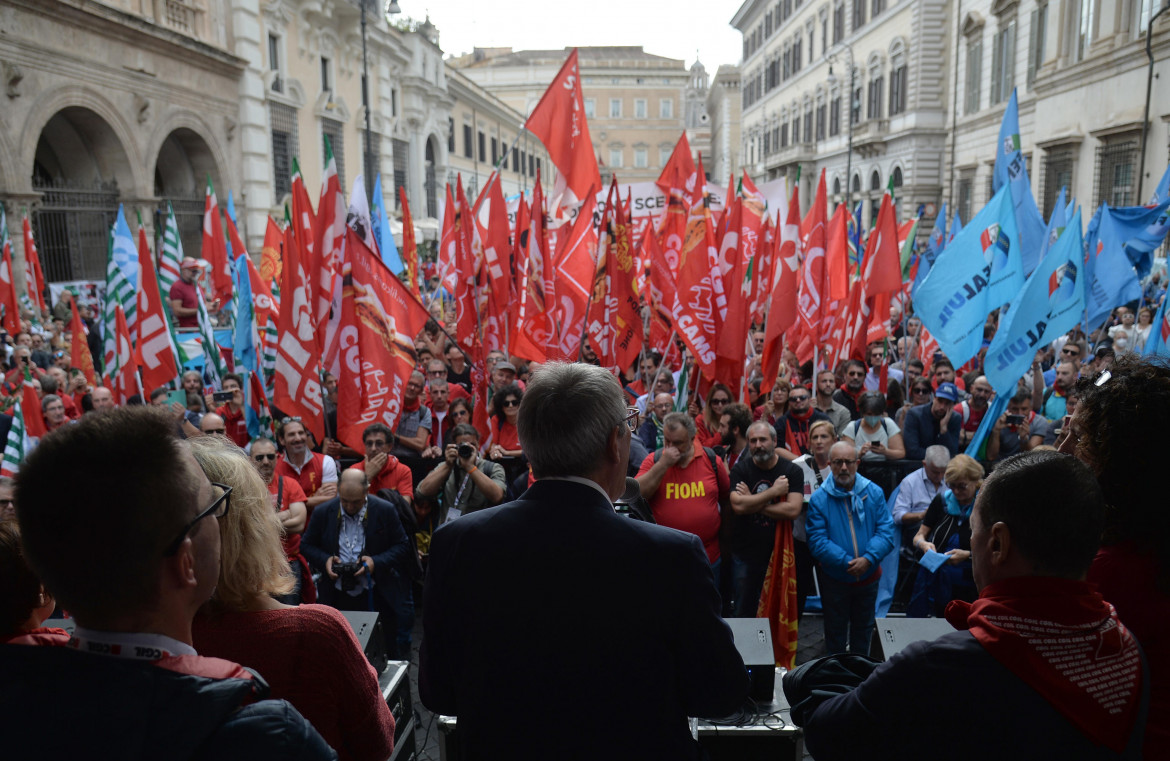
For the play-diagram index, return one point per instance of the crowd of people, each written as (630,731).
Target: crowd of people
(861,463)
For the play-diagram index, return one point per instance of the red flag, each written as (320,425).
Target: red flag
(447,243)
(663,292)
(679,179)
(270,253)
(214,249)
(813,292)
(497,248)
(124,382)
(156,352)
(558,121)
(784,287)
(379,320)
(575,266)
(30,406)
(700,304)
(531,335)
(409,247)
(778,597)
(324,264)
(79,355)
(297,389)
(883,256)
(837,254)
(8,297)
(467,333)
(762,277)
(304,220)
(615,319)
(34,278)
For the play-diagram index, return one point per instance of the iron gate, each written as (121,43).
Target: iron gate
(189,217)
(72,228)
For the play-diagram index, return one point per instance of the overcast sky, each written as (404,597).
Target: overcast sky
(673,29)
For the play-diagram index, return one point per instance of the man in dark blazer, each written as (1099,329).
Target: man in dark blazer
(355,527)
(556,628)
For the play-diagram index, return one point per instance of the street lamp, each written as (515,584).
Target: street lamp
(832,58)
(391,9)
(1149,85)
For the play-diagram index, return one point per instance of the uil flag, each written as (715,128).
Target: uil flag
(558,121)
(382,234)
(379,320)
(79,354)
(1158,344)
(257,412)
(8,297)
(297,389)
(245,341)
(33,277)
(159,365)
(979,271)
(1012,169)
(1110,278)
(214,249)
(171,254)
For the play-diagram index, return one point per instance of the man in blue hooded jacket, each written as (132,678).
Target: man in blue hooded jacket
(849,532)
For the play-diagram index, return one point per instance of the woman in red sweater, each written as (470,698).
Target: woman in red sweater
(707,418)
(307,654)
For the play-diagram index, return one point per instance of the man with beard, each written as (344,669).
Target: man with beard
(974,408)
(733,425)
(933,423)
(288,500)
(765,489)
(824,402)
(854,384)
(1053,403)
(792,428)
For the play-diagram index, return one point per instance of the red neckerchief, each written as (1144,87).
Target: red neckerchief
(796,441)
(409,405)
(1031,624)
(852,395)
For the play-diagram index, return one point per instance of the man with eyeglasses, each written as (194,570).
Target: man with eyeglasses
(314,472)
(792,427)
(288,500)
(849,532)
(623,614)
(138,496)
(876,354)
(357,543)
(854,386)
(414,426)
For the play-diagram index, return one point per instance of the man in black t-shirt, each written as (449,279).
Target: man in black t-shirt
(764,489)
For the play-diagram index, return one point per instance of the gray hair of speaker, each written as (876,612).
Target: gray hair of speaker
(937,455)
(566,416)
(680,420)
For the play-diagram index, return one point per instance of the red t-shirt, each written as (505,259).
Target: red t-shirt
(235,424)
(393,476)
(705,435)
(292,493)
(509,437)
(188,297)
(688,498)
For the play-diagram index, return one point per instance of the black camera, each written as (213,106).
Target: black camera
(1014,419)
(346,572)
(466,451)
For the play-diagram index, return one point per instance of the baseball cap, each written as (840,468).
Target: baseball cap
(505,366)
(947,391)
(189,262)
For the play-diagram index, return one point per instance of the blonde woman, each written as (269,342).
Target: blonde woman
(946,529)
(307,654)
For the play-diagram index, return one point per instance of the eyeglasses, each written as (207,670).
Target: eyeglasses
(437,373)
(801,398)
(219,508)
(856,374)
(842,463)
(510,403)
(295,419)
(631,419)
(271,457)
(1067,350)
(717,402)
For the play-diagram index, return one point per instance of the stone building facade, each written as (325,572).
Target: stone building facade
(724,106)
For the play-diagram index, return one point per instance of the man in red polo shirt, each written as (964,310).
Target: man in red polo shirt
(383,470)
(184,294)
(316,473)
(288,499)
(232,412)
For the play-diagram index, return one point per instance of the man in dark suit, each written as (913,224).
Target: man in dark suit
(355,528)
(556,628)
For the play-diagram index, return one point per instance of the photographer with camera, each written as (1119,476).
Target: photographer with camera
(358,544)
(467,481)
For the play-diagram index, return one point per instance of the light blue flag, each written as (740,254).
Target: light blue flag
(995,408)
(1158,343)
(125,249)
(1050,303)
(1056,225)
(1110,277)
(1162,192)
(1011,168)
(244,341)
(1070,207)
(1141,230)
(380,221)
(231,212)
(978,272)
(934,246)
(956,228)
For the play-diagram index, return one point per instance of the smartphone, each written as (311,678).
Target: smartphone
(1014,419)
(223,396)
(177,397)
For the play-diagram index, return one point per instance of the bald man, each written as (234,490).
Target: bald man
(102,398)
(211,424)
(357,542)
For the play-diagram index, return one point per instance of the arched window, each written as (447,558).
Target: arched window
(897,177)
(875,181)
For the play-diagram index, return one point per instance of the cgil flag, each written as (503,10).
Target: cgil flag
(18,445)
(172,252)
(979,271)
(155,341)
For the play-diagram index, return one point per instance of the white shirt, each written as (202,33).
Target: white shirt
(871,378)
(579,480)
(915,496)
(328,467)
(130,642)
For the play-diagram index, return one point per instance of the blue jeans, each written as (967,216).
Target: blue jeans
(848,611)
(747,582)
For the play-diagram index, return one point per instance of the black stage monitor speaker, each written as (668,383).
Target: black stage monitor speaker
(368,630)
(894,634)
(753,640)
